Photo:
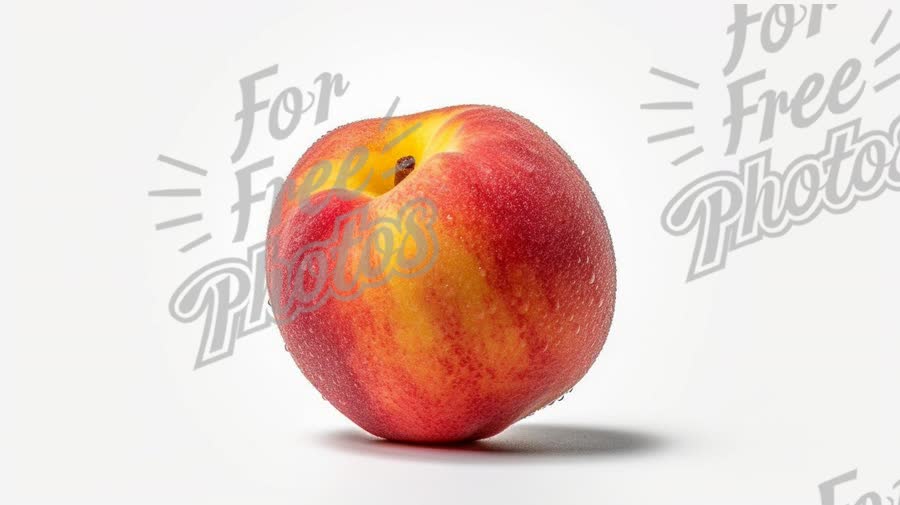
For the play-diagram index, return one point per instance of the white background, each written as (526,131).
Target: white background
(750,386)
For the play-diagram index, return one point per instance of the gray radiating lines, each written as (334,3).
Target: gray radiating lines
(881,27)
(668,106)
(890,53)
(175,192)
(688,156)
(674,78)
(182,165)
(887,83)
(178,193)
(194,243)
(179,221)
(681,132)
(884,57)
(674,105)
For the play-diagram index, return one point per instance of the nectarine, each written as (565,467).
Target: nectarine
(439,276)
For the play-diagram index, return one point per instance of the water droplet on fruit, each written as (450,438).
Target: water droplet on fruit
(593,278)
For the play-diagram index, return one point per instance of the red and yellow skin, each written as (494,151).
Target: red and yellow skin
(511,314)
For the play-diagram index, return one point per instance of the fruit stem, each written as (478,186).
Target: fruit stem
(404,167)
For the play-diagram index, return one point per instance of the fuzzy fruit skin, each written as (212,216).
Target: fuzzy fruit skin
(512,313)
